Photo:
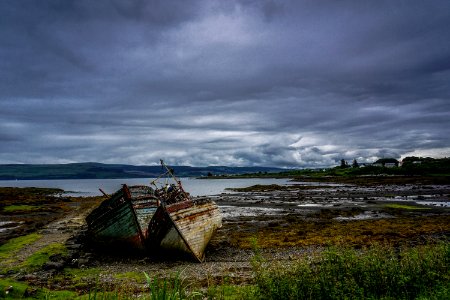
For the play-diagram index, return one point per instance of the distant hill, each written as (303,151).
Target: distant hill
(110,171)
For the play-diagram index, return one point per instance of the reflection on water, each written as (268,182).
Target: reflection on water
(9,225)
(434,203)
(228,211)
(89,187)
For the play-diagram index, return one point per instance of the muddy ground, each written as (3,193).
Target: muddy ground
(283,222)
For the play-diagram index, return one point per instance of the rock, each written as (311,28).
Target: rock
(54,265)
(56,257)
(29,277)
(82,262)
(30,292)
(9,289)
(73,246)
(73,254)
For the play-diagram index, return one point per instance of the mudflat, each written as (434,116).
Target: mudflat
(281,222)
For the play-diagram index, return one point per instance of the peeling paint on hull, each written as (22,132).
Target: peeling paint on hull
(145,204)
(119,220)
(185,227)
(117,226)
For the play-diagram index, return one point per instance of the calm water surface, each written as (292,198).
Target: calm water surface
(90,187)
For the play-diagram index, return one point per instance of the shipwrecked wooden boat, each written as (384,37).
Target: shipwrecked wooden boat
(119,220)
(185,226)
(145,202)
(156,219)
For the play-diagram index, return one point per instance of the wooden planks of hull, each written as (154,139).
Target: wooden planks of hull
(185,226)
(117,226)
(141,217)
(144,203)
(119,219)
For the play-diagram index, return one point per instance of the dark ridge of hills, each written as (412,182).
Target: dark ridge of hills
(93,170)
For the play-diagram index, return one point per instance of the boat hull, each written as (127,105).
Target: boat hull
(119,220)
(145,204)
(138,217)
(117,227)
(185,227)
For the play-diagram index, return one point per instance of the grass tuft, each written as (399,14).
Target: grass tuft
(166,289)
(404,206)
(374,273)
(230,292)
(81,279)
(39,258)
(20,208)
(137,277)
(11,289)
(14,245)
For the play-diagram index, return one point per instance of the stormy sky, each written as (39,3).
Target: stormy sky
(239,83)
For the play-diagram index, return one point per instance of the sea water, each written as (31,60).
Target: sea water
(90,187)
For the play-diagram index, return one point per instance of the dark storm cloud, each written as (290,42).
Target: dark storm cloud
(283,83)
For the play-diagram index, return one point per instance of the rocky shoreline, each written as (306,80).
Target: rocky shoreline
(283,222)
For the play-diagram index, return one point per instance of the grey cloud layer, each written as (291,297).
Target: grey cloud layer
(282,83)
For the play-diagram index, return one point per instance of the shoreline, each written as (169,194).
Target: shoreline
(285,222)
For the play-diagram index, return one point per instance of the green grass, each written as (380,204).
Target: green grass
(404,206)
(14,245)
(40,257)
(133,276)
(166,289)
(12,289)
(56,295)
(81,279)
(375,273)
(81,274)
(230,292)
(20,208)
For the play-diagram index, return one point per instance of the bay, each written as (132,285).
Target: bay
(90,187)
